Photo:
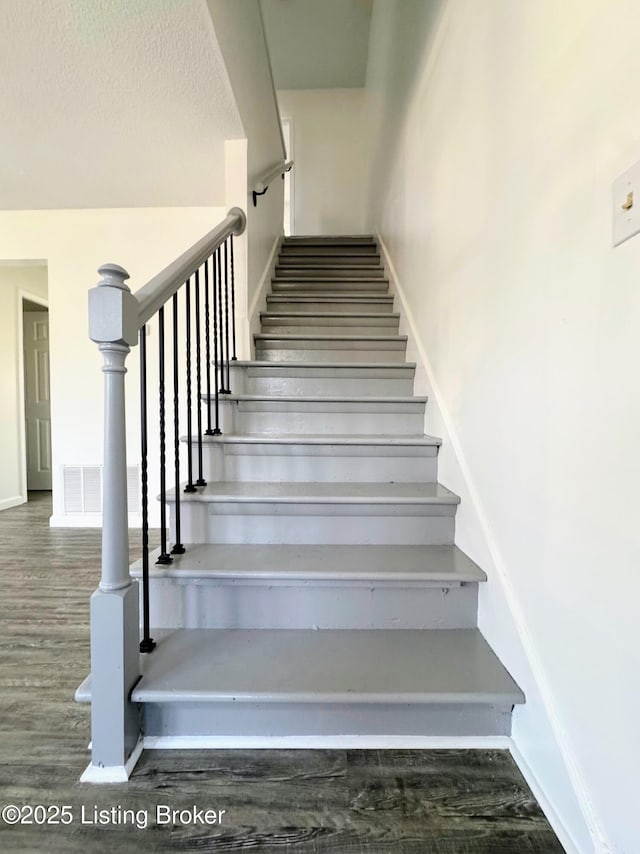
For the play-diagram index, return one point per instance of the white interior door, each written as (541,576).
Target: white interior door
(37,403)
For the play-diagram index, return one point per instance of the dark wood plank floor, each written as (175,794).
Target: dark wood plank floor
(347,802)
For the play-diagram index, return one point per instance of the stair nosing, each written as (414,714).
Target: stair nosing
(286,336)
(338,564)
(332,314)
(320,399)
(257,363)
(357,440)
(268,492)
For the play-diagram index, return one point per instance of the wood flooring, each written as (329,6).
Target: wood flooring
(346,802)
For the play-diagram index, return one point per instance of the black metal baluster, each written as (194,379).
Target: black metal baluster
(214,269)
(200,481)
(234,358)
(190,487)
(207,345)
(178,548)
(164,557)
(146,644)
(226,316)
(223,389)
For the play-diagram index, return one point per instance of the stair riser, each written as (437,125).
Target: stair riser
(289,271)
(201,603)
(330,328)
(324,719)
(336,320)
(327,380)
(317,354)
(316,261)
(325,286)
(341,524)
(238,418)
(327,386)
(318,464)
(341,240)
(336,252)
(326,303)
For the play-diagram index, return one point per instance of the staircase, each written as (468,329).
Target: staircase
(322,594)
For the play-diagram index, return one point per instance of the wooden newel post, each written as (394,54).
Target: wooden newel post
(113,325)
(115,668)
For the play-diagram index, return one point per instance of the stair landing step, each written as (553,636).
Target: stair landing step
(444,566)
(335,666)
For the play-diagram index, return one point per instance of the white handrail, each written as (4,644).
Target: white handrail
(263,182)
(164,285)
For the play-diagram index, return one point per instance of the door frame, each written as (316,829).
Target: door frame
(290,177)
(22,433)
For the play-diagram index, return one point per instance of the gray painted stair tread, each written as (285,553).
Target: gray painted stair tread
(321,398)
(359,367)
(430,564)
(309,493)
(272,315)
(338,666)
(422,440)
(311,295)
(333,296)
(304,336)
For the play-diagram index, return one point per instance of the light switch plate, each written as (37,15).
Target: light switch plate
(626,219)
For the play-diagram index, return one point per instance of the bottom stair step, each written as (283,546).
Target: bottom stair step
(292,682)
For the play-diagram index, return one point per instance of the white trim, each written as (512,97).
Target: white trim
(517,614)
(113,773)
(87,520)
(290,175)
(326,742)
(14,501)
(545,804)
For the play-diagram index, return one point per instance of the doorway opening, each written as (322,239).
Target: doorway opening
(37,397)
(287,135)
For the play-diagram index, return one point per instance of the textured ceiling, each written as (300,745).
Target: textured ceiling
(111,103)
(318,44)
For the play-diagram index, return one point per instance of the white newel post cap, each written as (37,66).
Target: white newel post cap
(113,310)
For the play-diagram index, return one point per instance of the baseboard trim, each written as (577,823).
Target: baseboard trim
(259,300)
(14,501)
(113,773)
(546,806)
(87,520)
(326,742)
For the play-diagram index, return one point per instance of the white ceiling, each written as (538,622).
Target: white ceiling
(318,44)
(111,103)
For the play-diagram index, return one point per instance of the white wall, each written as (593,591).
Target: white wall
(74,243)
(496,212)
(14,280)
(240,33)
(330,149)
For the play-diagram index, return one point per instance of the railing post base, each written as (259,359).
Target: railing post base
(115,669)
